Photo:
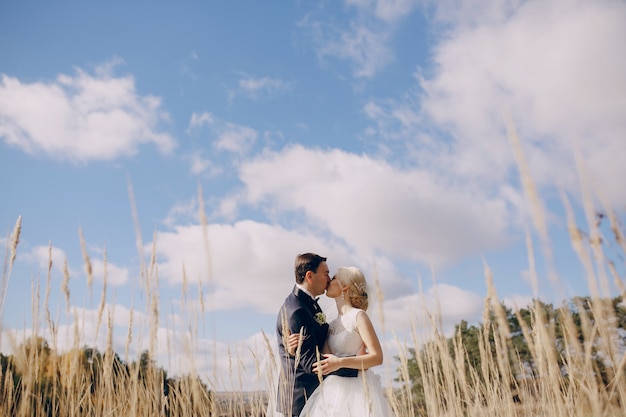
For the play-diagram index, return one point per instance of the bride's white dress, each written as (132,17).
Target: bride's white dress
(343,396)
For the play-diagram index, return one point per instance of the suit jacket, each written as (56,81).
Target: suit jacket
(296,384)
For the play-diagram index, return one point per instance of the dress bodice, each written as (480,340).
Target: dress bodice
(343,336)
(338,396)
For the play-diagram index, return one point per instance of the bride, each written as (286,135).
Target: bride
(352,343)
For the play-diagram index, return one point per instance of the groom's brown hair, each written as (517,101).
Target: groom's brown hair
(307,262)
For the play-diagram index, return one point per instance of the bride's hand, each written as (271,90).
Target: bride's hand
(328,365)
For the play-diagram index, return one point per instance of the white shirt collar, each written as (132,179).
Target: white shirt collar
(305,291)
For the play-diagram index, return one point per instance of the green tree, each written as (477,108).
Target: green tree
(599,325)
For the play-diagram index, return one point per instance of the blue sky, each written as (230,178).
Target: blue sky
(370,131)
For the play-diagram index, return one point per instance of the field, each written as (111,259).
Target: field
(571,361)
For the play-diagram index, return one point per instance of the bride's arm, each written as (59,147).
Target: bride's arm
(372,356)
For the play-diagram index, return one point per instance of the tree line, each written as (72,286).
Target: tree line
(582,342)
(39,381)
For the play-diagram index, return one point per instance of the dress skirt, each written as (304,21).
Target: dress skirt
(338,396)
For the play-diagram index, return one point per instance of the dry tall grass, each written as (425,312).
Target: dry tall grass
(68,384)
(83,383)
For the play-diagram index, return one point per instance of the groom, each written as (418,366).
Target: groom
(300,310)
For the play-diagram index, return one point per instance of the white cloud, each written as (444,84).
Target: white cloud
(366,41)
(199,119)
(115,275)
(557,67)
(93,326)
(183,212)
(258,87)
(231,137)
(365,47)
(391,10)
(394,120)
(43,255)
(80,117)
(387,10)
(471,13)
(442,306)
(452,304)
(236,138)
(228,207)
(372,206)
(517,301)
(248,264)
(199,164)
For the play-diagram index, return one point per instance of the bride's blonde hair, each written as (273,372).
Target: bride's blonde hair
(357,287)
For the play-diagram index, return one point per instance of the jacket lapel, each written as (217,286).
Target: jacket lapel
(312,306)
(306,300)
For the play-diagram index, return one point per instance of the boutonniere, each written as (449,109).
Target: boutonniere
(320,318)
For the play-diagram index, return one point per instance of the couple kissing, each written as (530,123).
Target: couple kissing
(325,366)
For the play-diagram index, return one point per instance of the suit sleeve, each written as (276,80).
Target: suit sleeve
(346,372)
(308,354)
